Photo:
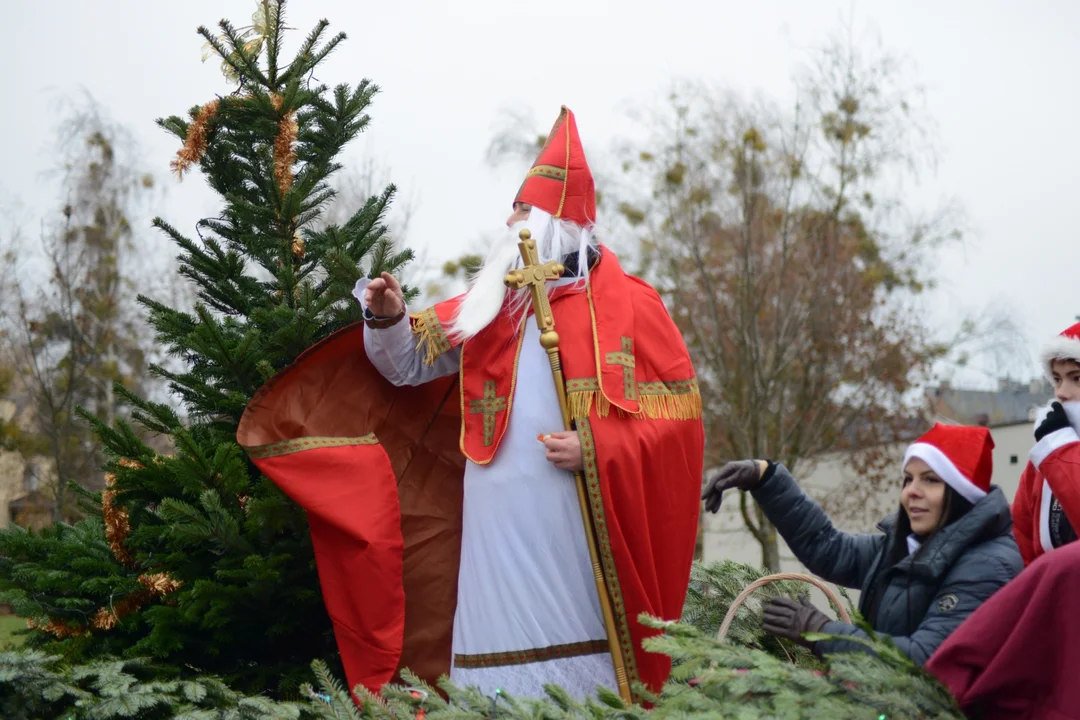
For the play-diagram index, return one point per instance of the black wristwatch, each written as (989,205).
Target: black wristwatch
(378,322)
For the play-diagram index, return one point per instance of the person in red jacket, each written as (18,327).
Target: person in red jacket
(1046,509)
(1017,657)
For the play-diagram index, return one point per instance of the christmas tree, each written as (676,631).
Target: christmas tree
(193,559)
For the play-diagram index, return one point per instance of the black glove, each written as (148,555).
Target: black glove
(741,474)
(789,619)
(1056,420)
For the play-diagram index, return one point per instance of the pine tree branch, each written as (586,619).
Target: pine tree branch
(303,61)
(273,46)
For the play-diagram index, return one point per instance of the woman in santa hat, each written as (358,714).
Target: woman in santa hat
(1046,508)
(947,550)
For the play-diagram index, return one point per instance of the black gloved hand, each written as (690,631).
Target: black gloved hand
(741,474)
(1056,420)
(789,619)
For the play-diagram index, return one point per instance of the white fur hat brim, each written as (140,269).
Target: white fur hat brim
(940,463)
(1062,347)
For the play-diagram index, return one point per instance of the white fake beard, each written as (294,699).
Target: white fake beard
(488,293)
(1072,410)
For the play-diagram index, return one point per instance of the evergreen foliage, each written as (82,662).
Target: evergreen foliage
(714,587)
(710,679)
(197,561)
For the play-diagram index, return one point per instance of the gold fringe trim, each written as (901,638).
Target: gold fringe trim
(429,335)
(676,400)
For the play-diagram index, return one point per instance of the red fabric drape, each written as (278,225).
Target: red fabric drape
(1018,656)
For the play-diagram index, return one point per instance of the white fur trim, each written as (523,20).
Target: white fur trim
(1050,443)
(940,463)
(1061,347)
(1044,518)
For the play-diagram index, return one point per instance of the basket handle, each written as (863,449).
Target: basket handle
(779,577)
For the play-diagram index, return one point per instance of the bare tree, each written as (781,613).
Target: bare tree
(71,325)
(791,262)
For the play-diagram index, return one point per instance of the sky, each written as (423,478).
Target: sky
(999,76)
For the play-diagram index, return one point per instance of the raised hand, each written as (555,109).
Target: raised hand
(1055,420)
(741,474)
(383,296)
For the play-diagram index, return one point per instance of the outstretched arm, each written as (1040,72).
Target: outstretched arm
(388,338)
(839,557)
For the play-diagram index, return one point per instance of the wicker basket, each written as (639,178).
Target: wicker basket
(779,577)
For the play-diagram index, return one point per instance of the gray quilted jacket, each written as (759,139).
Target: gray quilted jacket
(926,596)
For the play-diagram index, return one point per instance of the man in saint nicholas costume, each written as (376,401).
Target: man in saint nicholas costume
(429,452)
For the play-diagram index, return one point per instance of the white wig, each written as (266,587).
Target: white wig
(488,295)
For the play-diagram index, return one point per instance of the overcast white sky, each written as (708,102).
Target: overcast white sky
(1001,78)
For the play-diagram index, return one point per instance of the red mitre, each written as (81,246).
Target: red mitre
(560,182)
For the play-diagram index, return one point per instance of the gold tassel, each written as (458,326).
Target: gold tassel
(427,337)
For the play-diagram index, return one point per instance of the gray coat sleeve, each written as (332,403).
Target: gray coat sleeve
(971,582)
(838,557)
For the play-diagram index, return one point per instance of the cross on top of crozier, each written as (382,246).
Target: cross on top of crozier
(536,276)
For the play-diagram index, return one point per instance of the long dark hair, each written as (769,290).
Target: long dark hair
(955,507)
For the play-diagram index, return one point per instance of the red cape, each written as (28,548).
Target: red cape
(1018,655)
(379,470)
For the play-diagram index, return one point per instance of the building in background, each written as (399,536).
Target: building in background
(23,479)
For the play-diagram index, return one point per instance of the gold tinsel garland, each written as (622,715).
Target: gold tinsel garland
(117,529)
(157,585)
(284,143)
(117,524)
(58,628)
(284,147)
(195,142)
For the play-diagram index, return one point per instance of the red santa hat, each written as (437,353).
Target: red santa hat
(960,455)
(560,182)
(1066,346)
